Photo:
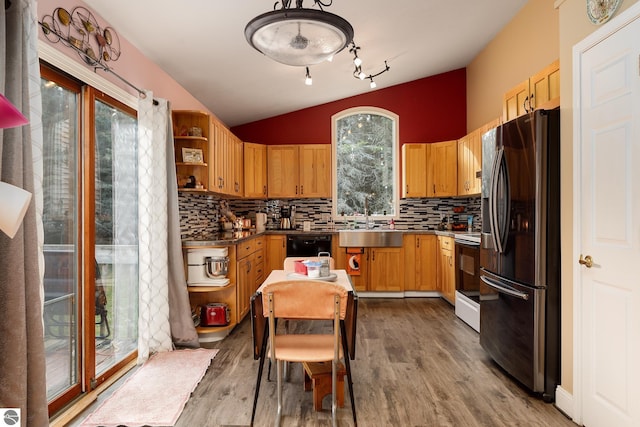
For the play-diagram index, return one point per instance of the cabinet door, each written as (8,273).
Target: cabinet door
(470,163)
(255,170)
(425,265)
(446,268)
(276,252)
(386,272)
(414,170)
(341,258)
(516,101)
(444,162)
(410,275)
(282,167)
(237,159)
(464,144)
(315,170)
(544,87)
(244,285)
(220,159)
(474,163)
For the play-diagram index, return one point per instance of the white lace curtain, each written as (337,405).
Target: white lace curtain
(165,313)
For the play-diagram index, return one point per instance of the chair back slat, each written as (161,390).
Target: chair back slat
(304,299)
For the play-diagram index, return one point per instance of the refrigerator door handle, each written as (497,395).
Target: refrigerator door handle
(501,178)
(493,203)
(504,289)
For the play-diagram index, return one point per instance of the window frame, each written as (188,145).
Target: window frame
(395,159)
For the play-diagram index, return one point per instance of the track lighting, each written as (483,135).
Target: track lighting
(358,73)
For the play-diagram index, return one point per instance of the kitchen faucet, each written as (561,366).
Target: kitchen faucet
(367,226)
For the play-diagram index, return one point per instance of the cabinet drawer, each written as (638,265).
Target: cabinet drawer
(245,248)
(258,243)
(446,243)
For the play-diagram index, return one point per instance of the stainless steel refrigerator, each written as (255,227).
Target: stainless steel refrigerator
(520,249)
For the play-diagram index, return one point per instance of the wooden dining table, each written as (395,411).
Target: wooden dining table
(260,324)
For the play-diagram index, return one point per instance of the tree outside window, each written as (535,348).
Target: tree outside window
(364,153)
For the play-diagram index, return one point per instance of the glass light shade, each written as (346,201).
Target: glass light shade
(10,116)
(14,202)
(299,36)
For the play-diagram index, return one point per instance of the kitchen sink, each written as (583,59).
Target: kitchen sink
(370,238)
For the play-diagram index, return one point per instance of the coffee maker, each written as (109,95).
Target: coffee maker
(285,217)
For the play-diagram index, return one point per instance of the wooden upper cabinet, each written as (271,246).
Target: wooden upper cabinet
(237,157)
(545,87)
(227,174)
(470,164)
(255,170)
(282,166)
(414,170)
(443,163)
(315,170)
(541,90)
(219,158)
(299,170)
(515,101)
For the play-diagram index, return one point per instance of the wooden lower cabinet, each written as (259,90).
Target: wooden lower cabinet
(249,272)
(386,270)
(420,262)
(341,256)
(276,252)
(446,268)
(380,269)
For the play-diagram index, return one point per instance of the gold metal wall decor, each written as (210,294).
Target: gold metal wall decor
(79,29)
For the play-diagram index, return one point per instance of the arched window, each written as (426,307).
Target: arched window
(365,147)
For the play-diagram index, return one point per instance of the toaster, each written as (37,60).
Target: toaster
(215,314)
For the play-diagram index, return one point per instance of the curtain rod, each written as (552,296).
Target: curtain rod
(89,59)
(141,93)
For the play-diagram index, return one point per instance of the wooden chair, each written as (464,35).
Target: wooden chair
(300,299)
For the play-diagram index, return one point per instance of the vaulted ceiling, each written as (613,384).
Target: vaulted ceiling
(201,44)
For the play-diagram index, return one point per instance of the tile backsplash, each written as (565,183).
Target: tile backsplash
(200,213)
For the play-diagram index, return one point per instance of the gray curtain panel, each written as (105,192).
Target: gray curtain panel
(22,354)
(183,330)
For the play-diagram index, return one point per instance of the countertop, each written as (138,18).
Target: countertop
(228,238)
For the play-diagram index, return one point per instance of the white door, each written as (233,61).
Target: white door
(609,216)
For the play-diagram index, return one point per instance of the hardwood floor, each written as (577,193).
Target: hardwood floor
(416,364)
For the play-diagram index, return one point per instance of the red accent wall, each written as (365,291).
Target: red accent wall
(431,109)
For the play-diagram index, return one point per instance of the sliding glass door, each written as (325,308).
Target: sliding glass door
(91,236)
(61,194)
(116,233)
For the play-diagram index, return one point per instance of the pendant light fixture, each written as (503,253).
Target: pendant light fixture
(299,36)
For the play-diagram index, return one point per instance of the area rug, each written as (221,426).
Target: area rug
(156,393)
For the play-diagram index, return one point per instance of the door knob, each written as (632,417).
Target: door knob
(587,261)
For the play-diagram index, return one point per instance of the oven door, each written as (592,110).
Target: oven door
(512,328)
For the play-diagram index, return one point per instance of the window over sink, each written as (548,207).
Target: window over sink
(365,143)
